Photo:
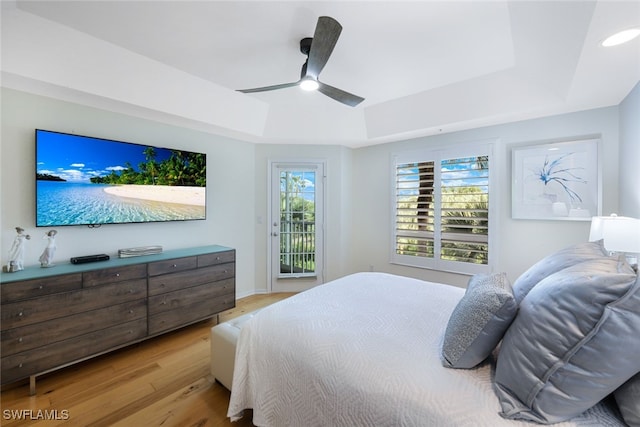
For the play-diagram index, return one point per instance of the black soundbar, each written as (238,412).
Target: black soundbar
(89,258)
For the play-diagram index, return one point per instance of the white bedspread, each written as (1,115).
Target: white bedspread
(364,350)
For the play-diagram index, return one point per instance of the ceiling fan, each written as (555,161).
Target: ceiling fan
(318,50)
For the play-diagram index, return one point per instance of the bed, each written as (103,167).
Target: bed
(366,350)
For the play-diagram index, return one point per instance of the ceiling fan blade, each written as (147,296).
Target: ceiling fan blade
(267,88)
(324,40)
(339,95)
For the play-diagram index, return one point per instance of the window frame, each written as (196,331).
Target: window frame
(436,155)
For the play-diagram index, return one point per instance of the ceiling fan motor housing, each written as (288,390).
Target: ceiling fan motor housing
(305,45)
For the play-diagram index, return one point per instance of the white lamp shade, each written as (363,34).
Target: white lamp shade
(620,233)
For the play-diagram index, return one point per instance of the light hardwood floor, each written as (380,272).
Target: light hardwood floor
(164,381)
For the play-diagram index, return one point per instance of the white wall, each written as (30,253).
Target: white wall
(520,242)
(630,154)
(228,162)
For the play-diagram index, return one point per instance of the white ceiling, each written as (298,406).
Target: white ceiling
(422,66)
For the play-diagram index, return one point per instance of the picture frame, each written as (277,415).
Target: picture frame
(557,181)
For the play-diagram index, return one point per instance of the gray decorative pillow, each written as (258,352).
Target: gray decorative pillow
(555,262)
(479,321)
(563,352)
(628,400)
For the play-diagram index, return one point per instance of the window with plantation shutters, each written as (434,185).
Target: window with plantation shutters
(464,211)
(414,226)
(441,212)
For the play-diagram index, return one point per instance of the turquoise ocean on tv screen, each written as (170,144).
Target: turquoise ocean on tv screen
(68,203)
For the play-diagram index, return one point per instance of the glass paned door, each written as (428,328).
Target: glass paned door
(297,223)
(296,237)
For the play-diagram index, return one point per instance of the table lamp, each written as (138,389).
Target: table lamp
(621,234)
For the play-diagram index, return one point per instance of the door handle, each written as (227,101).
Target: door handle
(274,234)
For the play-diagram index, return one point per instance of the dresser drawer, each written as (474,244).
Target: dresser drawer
(114,275)
(172,265)
(178,300)
(22,365)
(28,337)
(15,291)
(191,311)
(49,307)
(176,281)
(216,258)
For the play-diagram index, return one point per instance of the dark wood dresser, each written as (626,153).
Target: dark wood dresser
(54,317)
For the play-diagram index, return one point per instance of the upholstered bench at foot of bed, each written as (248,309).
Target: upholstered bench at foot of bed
(224,337)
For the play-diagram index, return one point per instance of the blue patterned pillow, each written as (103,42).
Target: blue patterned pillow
(479,321)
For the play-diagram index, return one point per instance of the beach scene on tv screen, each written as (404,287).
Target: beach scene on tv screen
(83,180)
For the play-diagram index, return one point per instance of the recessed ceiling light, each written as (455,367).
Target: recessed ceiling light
(621,37)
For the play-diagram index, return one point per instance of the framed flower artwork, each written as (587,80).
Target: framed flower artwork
(557,181)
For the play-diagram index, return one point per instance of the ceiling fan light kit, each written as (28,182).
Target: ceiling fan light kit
(309,84)
(621,37)
(318,50)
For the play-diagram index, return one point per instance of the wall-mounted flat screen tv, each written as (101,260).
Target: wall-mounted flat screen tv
(82,180)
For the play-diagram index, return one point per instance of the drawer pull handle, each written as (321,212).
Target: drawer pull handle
(117,274)
(163,303)
(20,339)
(131,291)
(20,314)
(20,365)
(217,258)
(130,311)
(175,265)
(162,285)
(40,287)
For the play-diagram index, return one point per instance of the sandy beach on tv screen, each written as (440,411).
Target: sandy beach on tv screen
(161,193)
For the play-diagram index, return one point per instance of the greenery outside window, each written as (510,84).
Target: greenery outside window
(441,217)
